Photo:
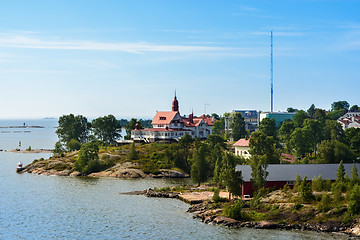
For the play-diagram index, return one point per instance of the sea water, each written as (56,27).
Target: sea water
(54,207)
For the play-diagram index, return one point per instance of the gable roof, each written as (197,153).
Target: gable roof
(164,117)
(287,172)
(242,143)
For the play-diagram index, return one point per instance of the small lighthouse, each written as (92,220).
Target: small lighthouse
(19,167)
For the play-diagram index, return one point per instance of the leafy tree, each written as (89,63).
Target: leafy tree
(325,203)
(237,125)
(229,176)
(306,193)
(291,110)
(315,131)
(73,127)
(258,171)
(334,115)
(355,108)
(333,130)
(320,114)
(219,127)
(352,138)
(73,145)
(311,110)
(265,147)
(318,184)
(130,127)
(58,149)
(199,167)
(354,203)
(299,118)
(268,127)
(88,160)
(186,141)
(340,105)
(340,174)
(333,151)
(213,140)
(354,176)
(285,132)
(133,154)
(300,141)
(106,129)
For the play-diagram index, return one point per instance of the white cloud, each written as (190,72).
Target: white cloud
(136,48)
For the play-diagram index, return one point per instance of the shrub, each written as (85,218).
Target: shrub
(216,196)
(354,203)
(235,211)
(324,204)
(297,206)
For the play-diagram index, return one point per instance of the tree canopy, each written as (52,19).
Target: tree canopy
(106,129)
(237,125)
(73,127)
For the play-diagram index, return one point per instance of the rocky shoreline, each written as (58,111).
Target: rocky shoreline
(206,214)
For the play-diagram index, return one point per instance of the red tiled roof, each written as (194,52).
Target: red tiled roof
(242,143)
(197,120)
(163,130)
(164,117)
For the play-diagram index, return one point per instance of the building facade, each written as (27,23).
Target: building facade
(242,148)
(279,117)
(350,120)
(171,126)
(251,119)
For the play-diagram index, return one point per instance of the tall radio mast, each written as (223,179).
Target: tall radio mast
(271,73)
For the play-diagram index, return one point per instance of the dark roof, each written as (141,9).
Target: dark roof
(287,172)
(247,113)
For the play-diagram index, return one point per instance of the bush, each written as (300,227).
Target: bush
(235,211)
(354,203)
(324,204)
(73,145)
(297,206)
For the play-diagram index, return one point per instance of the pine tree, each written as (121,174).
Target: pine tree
(200,167)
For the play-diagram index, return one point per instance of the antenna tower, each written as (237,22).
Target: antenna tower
(271,72)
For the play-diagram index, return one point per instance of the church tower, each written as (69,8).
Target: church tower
(175,104)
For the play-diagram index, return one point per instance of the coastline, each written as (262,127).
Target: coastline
(204,212)
(30,151)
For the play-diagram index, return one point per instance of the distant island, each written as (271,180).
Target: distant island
(25,126)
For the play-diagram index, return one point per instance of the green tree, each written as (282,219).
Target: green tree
(133,154)
(333,130)
(237,125)
(73,145)
(285,132)
(268,127)
(340,105)
(352,139)
(88,160)
(73,127)
(333,151)
(354,203)
(291,110)
(106,129)
(354,176)
(58,148)
(334,115)
(265,147)
(340,174)
(315,131)
(311,110)
(230,177)
(219,127)
(325,203)
(199,167)
(130,127)
(306,193)
(320,114)
(299,118)
(318,184)
(355,108)
(258,171)
(300,141)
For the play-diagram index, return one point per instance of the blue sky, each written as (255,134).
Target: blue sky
(126,58)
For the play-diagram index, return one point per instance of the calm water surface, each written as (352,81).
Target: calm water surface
(52,207)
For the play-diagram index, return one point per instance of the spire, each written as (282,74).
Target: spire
(175,104)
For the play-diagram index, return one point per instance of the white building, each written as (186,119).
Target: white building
(169,125)
(242,148)
(349,120)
